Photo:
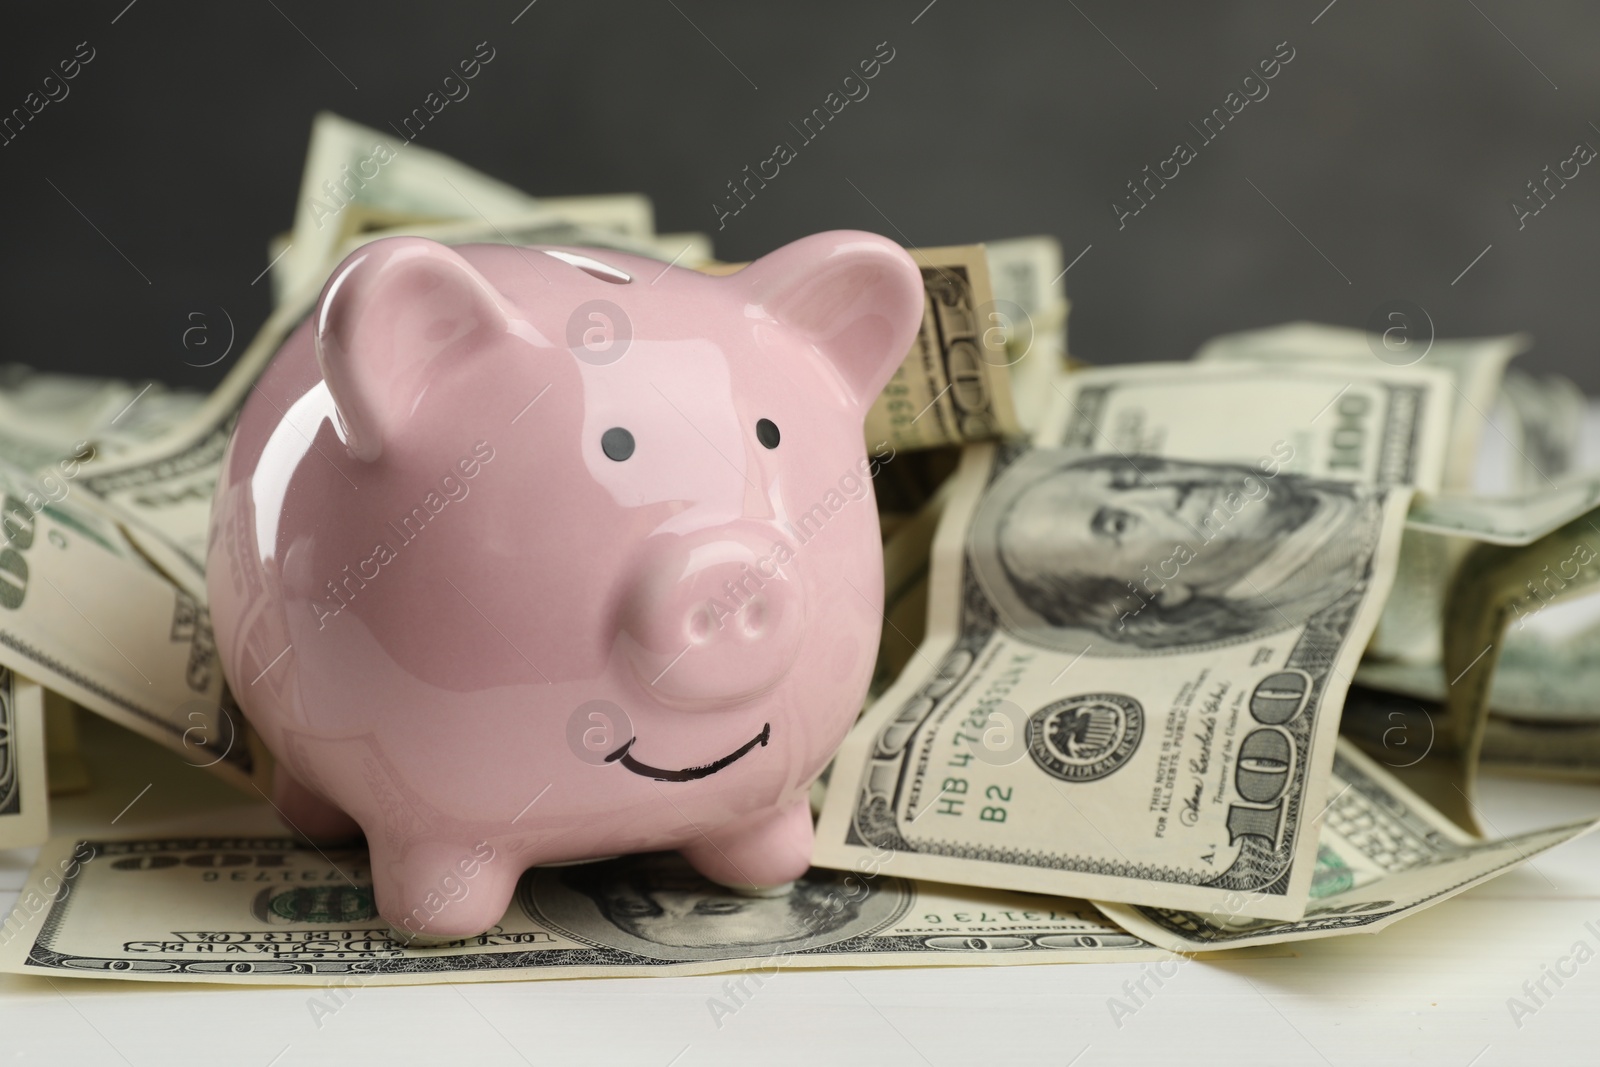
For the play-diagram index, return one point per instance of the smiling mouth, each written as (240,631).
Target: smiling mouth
(624,756)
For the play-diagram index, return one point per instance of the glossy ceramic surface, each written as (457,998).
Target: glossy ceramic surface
(524,556)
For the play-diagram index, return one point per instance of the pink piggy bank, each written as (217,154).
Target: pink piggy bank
(525,556)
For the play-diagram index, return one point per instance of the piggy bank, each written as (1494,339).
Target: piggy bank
(526,556)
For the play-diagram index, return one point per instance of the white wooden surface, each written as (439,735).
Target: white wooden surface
(1433,989)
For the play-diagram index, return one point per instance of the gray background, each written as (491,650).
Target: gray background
(1393,141)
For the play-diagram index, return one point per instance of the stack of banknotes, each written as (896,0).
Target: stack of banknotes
(1160,640)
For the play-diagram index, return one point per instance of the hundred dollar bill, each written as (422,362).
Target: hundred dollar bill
(1383,854)
(1547,666)
(1062,731)
(1541,673)
(46,418)
(24,790)
(1476,367)
(1499,587)
(273,911)
(1441,529)
(1506,520)
(1539,678)
(1378,425)
(1027,271)
(1546,413)
(1410,628)
(966,373)
(1031,309)
(82,613)
(354,174)
(955,385)
(353,166)
(1134,663)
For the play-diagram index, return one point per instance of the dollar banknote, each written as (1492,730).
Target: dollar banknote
(1546,415)
(358,179)
(1309,417)
(1383,854)
(954,386)
(47,418)
(1134,663)
(980,361)
(1410,628)
(270,910)
(1544,670)
(24,791)
(1539,673)
(353,166)
(1506,520)
(1476,367)
(1546,673)
(1030,310)
(84,614)
(1500,588)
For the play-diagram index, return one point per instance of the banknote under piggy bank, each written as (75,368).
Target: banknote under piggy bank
(536,555)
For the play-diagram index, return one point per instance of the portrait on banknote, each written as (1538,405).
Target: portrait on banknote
(661,908)
(1136,555)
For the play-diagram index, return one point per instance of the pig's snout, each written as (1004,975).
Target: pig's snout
(712,621)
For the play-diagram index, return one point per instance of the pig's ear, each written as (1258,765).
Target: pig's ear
(385,314)
(856,296)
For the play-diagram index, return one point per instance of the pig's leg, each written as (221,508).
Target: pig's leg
(307,814)
(756,855)
(433,892)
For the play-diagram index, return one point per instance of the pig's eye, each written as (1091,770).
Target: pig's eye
(617,443)
(767,432)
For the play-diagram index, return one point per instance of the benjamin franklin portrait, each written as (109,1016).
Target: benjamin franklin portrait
(658,906)
(1141,554)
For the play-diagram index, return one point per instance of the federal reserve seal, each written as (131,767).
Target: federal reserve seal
(1086,737)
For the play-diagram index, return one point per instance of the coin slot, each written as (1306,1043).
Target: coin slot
(592,267)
